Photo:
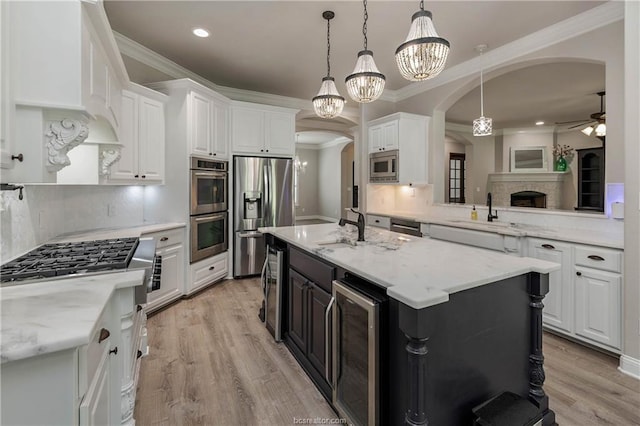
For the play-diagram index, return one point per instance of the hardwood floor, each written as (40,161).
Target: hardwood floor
(213,363)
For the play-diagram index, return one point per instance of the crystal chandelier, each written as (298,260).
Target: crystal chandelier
(423,54)
(366,83)
(328,103)
(482,126)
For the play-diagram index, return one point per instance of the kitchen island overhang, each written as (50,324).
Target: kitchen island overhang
(464,323)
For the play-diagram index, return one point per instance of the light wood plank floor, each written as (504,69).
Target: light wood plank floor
(212,363)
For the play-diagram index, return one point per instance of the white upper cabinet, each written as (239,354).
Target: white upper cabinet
(407,133)
(139,158)
(209,123)
(65,75)
(262,130)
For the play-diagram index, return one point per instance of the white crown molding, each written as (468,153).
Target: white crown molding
(319,146)
(528,130)
(592,19)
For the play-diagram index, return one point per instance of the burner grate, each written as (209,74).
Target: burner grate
(59,259)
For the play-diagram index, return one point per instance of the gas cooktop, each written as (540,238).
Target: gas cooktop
(60,259)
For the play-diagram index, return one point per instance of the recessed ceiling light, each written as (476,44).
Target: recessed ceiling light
(539,123)
(200,32)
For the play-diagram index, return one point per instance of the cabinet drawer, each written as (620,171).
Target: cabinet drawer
(208,270)
(315,270)
(599,258)
(167,238)
(379,221)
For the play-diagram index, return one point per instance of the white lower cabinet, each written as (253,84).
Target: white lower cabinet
(598,306)
(170,246)
(585,296)
(558,303)
(207,271)
(93,384)
(94,409)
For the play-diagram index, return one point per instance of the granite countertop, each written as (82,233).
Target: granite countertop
(50,316)
(580,236)
(419,272)
(105,233)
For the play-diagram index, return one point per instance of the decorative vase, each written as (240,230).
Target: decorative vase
(561,164)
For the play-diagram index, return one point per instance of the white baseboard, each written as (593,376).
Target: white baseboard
(311,217)
(630,366)
(328,219)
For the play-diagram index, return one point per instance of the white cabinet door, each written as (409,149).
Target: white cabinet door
(172,277)
(390,136)
(127,166)
(280,133)
(5,97)
(200,124)
(220,141)
(151,139)
(247,130)
(375,138)
(558,303)
(95,406)
(598,306)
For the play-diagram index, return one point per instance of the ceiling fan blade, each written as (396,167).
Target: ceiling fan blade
(581,124)
(572,121)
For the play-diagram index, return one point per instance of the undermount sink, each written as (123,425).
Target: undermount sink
(335,244)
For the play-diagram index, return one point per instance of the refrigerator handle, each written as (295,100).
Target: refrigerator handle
(327,342)
(266,205)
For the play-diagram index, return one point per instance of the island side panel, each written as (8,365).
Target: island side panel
(478,345)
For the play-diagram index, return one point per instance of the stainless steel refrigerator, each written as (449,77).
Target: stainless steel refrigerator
(262,196)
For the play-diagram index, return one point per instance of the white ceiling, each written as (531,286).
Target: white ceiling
(279,47)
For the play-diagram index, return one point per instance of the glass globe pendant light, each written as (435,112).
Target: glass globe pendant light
(366,83)
(328,103)
(423,54)
(482,126)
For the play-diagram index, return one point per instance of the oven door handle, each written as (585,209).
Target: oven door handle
(327,342)
(209,218)
(210,174)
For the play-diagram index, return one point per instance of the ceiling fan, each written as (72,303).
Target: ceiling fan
(595,122)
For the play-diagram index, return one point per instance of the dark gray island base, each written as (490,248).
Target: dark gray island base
(433,364)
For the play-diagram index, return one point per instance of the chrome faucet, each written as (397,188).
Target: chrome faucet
(491,216)
(359,224)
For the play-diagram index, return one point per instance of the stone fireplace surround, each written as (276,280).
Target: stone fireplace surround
(502,185)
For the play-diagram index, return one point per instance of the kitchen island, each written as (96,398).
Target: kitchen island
(462,324)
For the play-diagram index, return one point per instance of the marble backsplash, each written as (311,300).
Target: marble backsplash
(50,210)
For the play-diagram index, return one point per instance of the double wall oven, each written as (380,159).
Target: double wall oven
(209,203)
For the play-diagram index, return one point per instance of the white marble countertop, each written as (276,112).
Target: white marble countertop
(419,272)
(580,236)
(105,233)
(50,316)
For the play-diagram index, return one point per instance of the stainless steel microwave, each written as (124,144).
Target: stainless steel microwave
(383,166)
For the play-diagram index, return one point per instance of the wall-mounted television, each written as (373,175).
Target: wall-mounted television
(529,159)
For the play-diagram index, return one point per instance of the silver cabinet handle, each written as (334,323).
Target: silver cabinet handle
(327,343)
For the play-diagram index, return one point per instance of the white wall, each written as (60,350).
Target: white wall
(329,178)
(308,184)
(451,146)
(346,187)
(50,210)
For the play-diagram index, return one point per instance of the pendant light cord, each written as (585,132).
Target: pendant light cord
(364,26)
(481,96)
(421,4)
(328,47)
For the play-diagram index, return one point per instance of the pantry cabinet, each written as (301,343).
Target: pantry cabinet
(408,134)
(141,150)
(262,130)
